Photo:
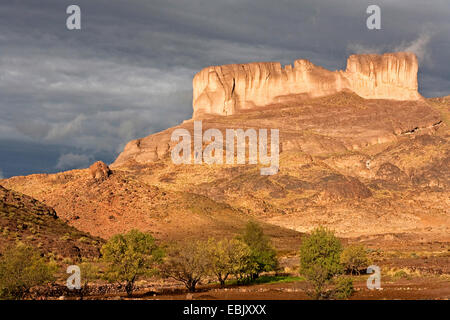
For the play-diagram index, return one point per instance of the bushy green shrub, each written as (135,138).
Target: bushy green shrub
(401,274)
(354,259)
(320,260)
(344,288)
(21,268)
(228,257)
(263,255)
(130,256)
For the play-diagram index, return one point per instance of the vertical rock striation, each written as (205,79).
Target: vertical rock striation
(224,90)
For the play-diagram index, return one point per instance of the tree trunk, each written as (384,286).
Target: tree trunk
(191,285)
(129,287)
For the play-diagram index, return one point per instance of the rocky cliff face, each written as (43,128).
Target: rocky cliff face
(224,90)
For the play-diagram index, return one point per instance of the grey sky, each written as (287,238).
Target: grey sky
(68,98)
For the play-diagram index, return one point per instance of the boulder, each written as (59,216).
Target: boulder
(100,171)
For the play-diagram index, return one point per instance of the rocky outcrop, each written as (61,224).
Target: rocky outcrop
(146,150)
(224,90)
(99,171)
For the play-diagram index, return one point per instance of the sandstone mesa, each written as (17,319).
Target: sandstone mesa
(386,84)
(227,89)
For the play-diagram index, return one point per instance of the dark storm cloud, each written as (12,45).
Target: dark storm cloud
(79,96)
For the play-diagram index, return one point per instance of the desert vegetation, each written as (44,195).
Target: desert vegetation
(246,259)
(243,258)
(186,263)
(21,268)
(355,259)
(130,256)
(228,257)
(321,254)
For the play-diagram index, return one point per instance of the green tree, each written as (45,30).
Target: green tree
(354,258)
(227,257)
(130,256)
(21,268)
(187,263)
(263,255)
(320,259)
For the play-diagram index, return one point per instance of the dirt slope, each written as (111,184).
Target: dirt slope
(27,220)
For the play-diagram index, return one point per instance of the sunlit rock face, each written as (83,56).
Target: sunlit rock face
(388,76)
(227,89)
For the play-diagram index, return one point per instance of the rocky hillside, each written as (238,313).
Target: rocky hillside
(125,200)
(27,220)
(343,122)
